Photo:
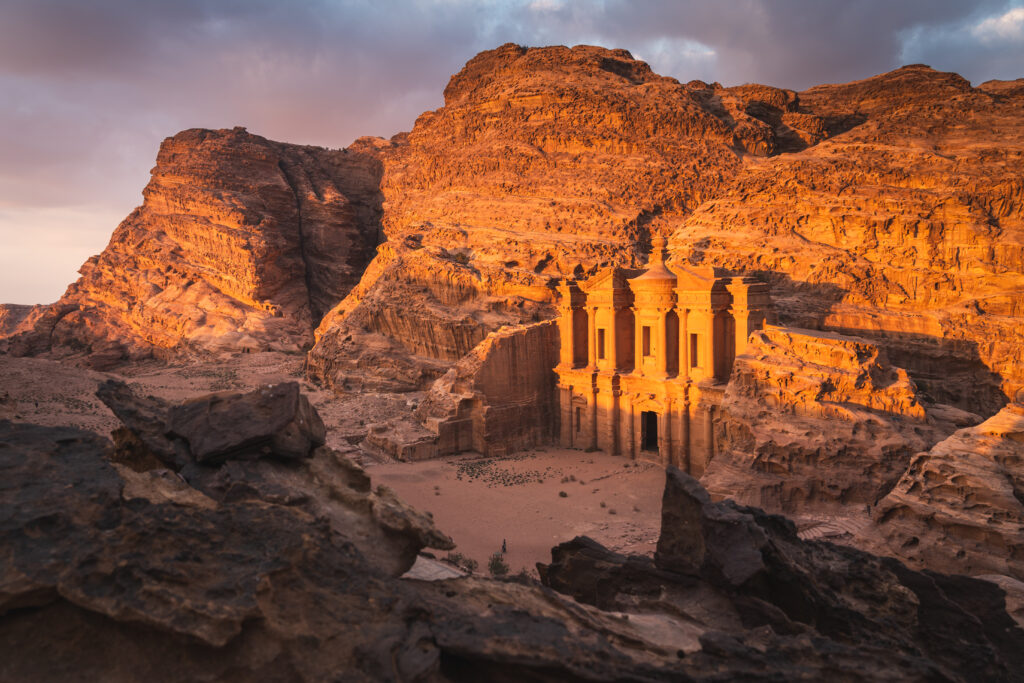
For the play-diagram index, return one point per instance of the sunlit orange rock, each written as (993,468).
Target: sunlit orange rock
(905,226)
(241,244)
(960,505)
(819,421)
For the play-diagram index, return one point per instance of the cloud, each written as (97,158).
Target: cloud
(90,88)
(1006,27)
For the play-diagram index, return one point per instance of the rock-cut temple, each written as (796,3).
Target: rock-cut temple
(645,357)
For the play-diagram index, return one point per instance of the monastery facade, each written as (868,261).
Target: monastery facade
(645,357)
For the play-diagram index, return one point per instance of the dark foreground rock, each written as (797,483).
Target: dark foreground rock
(749,590)
(274,420)
(116,567)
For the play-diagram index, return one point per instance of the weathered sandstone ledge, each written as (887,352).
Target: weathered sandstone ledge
(241,244)
(815,420)
(959,507)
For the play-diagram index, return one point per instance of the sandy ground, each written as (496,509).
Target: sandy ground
(480,502)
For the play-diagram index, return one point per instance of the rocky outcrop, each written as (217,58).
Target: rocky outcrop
(817,420)
(906,226)
(739,585)
(241,244)
(280,437)
(259,568)
(273,421)
(500,398)
(543,163)
(12,316)
(959,507)
(420,307)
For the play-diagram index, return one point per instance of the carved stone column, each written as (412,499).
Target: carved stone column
(565,324)
(685,435)
(666,450)
(741,316)
(638,349)
(684,343)
(663,345)
(612,350)
(616,397)
(592,335)
(631,431)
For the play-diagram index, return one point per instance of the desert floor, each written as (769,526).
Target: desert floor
(481,502)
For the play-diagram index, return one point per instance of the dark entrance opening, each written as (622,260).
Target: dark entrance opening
(649,431)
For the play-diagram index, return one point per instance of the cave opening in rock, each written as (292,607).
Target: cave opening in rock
(649,431)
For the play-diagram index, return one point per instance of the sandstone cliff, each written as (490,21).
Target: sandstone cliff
(500,398)
(889,208)
(817,420)
(960,505)
(543,163)
(241,244)
(906,226)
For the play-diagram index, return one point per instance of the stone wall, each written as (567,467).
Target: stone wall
(500,398)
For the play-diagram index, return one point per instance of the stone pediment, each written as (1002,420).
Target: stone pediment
(694,278)
(609,278)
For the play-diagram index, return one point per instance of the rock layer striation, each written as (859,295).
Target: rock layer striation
(241,244)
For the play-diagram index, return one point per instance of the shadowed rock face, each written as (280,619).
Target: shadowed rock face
(745,584)
(906,226)
(270,569)
(241,244)
(274,421)
(819,421)
(960,505)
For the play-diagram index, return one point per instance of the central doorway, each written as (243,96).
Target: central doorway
(649,431)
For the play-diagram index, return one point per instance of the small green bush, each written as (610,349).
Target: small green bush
(497,565)
(466,564)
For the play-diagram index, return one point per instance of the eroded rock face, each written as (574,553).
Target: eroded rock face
(242,243)
(817,420)
(905,227)
(500,398)
(748,589)
(543,163)
(12,316)
(959,507)
(418,310)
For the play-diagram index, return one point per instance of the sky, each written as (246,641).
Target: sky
(89,89)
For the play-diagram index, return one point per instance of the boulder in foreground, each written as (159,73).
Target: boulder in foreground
(114,567)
